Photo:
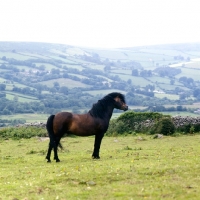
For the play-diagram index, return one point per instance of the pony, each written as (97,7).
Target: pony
(94,122)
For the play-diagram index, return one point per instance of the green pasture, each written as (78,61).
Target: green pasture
(29,117)
(109,80)
(183,114)
(20,97)
(64,82)
(194,105)
(19,85)
(48,66)
(164,80)
(149,60)
(113,54)
(98,67)
(78,75)
(4,70)
(23,67)
(167,86)
(103,92)
(132,167)
(135,80)
(121,71)
(76,51)
(170,87)
(57,57)
(34,55)
(79,61)
(16,56)
(79,67)
(189,73)
(158,79)
(169,96)
(2,80)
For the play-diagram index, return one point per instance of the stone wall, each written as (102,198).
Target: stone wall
(177,120)
(37,124)
(181,121)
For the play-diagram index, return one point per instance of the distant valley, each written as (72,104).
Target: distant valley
(46,78)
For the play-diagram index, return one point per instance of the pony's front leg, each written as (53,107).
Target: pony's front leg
(97,144)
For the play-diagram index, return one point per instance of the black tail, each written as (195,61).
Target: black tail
(49,127)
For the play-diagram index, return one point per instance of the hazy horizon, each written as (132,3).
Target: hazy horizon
(101,24)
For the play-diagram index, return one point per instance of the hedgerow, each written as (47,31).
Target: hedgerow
(127,123)
(22,132)
(141,122)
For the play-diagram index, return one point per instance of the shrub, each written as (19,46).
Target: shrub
(116,127)
(133,122)
(22,132)
(164,126)
(189,128)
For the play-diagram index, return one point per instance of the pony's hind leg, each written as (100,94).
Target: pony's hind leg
(56,143)
(49,152)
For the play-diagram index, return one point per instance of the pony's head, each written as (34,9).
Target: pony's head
(120,102)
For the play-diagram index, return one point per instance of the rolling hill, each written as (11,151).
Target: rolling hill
(149,75)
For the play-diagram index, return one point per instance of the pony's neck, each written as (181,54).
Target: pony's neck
(102,111)
(109,113)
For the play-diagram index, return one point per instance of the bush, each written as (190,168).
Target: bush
(141,122)
(164,126)
(22,132)
(189,128)
(132,122)
(116,127)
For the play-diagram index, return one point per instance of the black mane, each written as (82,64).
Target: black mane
(98,109)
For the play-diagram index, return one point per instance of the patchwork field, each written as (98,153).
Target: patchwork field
(64,82)
(133,167)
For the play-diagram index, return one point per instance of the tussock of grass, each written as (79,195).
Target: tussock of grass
(166,168)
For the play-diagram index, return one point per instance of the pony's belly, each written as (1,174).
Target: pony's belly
(80,132)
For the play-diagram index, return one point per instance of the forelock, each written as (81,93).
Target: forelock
(117,94)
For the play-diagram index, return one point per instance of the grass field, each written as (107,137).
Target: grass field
(169,96)
(14,55)
(132,167)
(30,117)
(103,92)
(135,80)
(192,73)
(20,97)
(64,82)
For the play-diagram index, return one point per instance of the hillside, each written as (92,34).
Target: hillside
(45,78)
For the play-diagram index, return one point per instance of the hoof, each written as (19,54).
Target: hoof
(57,159)
(48,160)
(95,157)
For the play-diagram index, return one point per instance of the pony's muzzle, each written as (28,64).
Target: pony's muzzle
(125,108)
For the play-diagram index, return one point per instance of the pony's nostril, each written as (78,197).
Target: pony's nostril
(126,108)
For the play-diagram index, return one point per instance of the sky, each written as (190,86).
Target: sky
(101,23)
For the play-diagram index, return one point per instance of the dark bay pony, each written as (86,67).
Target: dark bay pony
(95,122)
